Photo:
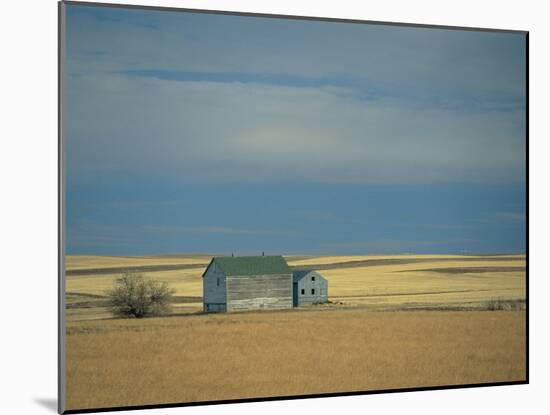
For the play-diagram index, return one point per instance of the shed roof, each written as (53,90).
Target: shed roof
(252,265)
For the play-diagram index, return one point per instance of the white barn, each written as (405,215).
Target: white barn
(247,283)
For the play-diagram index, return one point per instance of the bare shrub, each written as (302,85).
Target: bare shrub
(136,296)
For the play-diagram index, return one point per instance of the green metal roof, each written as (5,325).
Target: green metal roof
(253,265)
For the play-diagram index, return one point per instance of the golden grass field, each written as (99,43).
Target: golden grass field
(393,322)
(90,261)
(247,355)
(429,281)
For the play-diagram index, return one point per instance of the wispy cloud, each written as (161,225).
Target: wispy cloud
(243,77)
(168,229)
(358,88)
(408,58)
(284,132)
(395,105)
(441,226)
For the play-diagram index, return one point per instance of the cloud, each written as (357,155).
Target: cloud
(226,131)
(412,59)
(169,229)
(195,96)
(242,78)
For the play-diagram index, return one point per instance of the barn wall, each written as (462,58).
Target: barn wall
(320,285)
(253,292)
(214,295)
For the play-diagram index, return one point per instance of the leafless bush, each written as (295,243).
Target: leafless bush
(136,296)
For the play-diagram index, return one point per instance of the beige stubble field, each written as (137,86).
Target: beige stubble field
(417,321)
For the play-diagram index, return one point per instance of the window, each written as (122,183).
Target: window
(303,291)
(312,278)
(312,291)
(218,282)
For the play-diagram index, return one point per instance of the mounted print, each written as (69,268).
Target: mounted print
(264,207)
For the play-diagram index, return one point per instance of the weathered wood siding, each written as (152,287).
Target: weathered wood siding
(254,292)
(320,287)
(214,289)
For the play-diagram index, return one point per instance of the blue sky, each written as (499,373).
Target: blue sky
(208,133)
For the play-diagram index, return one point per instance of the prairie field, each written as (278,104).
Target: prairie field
(90,261)
(250,355)
(392,322)
(374,282)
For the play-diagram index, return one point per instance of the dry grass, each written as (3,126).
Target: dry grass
(94,261)
(345,258)
(231,356)
(404,284)
(393,286)
(335,348)
(185,282)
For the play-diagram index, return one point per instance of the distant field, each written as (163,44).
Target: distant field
(250,355)
(74,262)
(373,282)
(344,258)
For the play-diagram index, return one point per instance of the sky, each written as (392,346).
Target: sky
(202,133)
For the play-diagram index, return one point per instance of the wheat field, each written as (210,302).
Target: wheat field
(386,282)
(94,261)
(252,355)
(392,322)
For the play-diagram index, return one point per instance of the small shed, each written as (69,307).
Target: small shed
(247,283)
(308,287)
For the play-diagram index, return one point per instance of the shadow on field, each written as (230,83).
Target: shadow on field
(397,261)
(48,403)
(466,270)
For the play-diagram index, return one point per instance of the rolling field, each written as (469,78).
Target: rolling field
(374,282)
(75,262)
(393,322)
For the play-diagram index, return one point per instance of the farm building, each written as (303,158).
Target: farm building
(308,287)
(247,283)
